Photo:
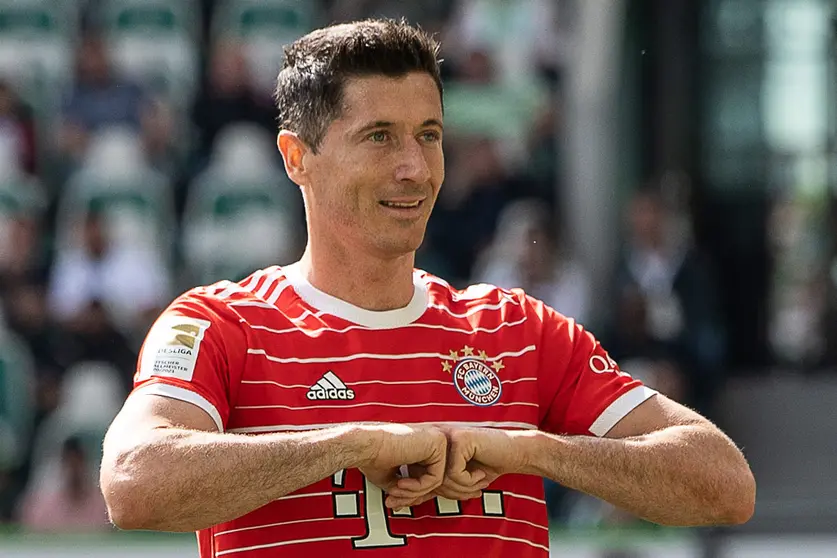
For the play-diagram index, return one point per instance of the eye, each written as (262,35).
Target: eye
(378,136)
(431,136)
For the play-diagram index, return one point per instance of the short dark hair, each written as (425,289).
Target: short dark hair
(309,89)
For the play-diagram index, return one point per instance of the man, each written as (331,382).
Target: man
(349,402)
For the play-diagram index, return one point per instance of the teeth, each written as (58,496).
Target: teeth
(401,205)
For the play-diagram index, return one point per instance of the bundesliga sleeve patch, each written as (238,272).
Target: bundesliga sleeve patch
(171,348)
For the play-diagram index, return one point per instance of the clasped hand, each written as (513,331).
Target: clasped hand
(455,463)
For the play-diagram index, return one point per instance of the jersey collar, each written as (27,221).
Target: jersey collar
(385,319)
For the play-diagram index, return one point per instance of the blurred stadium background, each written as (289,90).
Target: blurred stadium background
(664,170)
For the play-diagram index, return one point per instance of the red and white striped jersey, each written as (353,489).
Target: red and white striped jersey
(274,354)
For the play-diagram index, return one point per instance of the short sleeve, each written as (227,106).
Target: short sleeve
(193,353)
(582,389)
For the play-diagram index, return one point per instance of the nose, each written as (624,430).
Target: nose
(412,164)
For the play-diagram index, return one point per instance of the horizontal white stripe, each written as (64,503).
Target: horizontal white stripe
(269,525)
(376,356)
(524,497)
(312,332)
(255,303)
(303,427)
(379,404)
(381,382)
(501,517)
(282,543)
(182,394)
(307,313)
(472,310)
(617,410)
(477,536)
(304,495)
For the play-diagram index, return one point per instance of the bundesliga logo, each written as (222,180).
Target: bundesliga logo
(473,378)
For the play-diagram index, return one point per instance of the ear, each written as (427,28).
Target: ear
(293,151)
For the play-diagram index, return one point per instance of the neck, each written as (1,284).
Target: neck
(362,280)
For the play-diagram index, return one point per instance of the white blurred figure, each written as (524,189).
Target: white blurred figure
(129,283)
(524,254)
(115,221)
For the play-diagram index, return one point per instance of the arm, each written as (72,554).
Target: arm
(661,462)
(166,467)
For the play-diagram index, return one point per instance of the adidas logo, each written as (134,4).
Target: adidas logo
(330,387)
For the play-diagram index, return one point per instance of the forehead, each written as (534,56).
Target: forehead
(410,98)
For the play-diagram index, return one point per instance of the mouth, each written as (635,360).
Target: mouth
(401,204)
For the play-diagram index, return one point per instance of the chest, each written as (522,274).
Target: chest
(301,379)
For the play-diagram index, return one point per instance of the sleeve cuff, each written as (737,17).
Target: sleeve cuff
(182,394)
(617,410)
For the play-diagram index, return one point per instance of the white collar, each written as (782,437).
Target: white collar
(384,319)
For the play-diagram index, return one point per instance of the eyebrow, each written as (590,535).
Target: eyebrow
(387,124)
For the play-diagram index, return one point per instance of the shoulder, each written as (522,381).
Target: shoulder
(220,302)
(488,298)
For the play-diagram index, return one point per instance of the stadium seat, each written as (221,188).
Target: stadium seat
(242,212)
(265,27)
(154,42)
(36,48)
(17,399)
(137,201)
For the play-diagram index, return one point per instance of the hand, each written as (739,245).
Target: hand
(476,457)
(422,448)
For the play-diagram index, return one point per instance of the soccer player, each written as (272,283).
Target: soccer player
(350,404)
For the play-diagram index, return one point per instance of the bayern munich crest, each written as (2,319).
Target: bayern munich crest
(475,376)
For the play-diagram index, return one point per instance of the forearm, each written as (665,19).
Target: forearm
(681,475)
(185,480)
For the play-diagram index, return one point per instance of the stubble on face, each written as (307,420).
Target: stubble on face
(381,149)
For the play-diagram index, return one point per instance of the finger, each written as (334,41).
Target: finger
(457,462)
(465,477)
(399,492)
(434,472)
(398,503)
(450,484)
(410,485)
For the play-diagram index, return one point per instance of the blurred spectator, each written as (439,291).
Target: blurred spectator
(17,410)
(99,99)
(98,282)
(477,186)
(521,36)
(227,97)
(523,254)
(161,150)
(23,280)
(666,328)
(479,104)
(17,128)
(71,502)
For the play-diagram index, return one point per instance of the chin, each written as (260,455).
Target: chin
(395,246)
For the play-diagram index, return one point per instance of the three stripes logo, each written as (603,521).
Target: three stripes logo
(330,387)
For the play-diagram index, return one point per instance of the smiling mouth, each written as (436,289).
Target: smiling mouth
(401,205)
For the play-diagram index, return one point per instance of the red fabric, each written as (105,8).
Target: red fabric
(256,364)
